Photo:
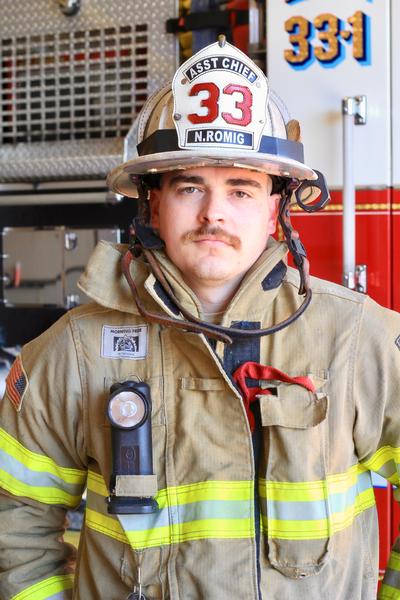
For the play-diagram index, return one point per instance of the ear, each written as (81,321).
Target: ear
(274,200)
(154,201)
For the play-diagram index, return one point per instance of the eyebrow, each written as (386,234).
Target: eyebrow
(194,179)
(186,179)
(240,182)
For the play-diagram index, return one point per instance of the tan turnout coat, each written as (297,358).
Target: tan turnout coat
(304,527)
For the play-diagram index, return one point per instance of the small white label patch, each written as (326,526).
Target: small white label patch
(124,342)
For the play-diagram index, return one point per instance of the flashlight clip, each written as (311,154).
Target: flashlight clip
(132,484)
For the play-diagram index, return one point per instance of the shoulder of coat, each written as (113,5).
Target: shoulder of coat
(85,311)
(324,287)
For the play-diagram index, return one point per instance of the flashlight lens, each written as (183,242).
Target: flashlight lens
(127,409)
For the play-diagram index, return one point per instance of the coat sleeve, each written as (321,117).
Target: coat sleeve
(376,388)
(42,467)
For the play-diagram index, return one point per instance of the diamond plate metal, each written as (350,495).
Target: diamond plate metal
(70,86)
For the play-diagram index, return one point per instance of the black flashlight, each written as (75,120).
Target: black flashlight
(132,482)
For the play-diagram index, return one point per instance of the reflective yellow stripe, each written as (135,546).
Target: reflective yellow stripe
(344,519)
(387,592)
(219,509)
(32,475)
(210,490)
(383,456)
(95,483)
(38,462)
(394,561)
(296,530)
(186,494)
(339,483)
(318,528)
(46,588)
(103,524)
(223,509)
(310,491)
(194,530)
(171,534)
(286,491)
(47,495)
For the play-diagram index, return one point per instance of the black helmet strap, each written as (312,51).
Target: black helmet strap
(146,241)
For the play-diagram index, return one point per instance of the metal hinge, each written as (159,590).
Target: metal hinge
(358,280)
(356,107)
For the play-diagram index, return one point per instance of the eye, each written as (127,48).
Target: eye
(241,194)
(188,190)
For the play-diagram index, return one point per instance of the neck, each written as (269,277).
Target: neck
(214,298)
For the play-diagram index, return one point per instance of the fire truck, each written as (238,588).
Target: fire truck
(74,73)
(73,76)
(337,64)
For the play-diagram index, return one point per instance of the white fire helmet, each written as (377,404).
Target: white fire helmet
(219,111)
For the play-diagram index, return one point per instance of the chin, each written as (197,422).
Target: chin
(214,271)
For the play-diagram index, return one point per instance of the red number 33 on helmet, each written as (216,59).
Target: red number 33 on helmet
(211,103)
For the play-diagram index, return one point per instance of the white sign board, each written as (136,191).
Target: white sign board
(321,51)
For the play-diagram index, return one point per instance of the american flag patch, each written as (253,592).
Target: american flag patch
(16,384)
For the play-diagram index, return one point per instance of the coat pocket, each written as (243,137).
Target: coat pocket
(293,495)
(209,423)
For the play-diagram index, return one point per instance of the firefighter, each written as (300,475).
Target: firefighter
(223,412)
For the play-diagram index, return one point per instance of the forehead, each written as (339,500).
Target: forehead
(222,175)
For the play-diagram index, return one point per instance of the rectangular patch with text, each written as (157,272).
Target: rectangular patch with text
(16,384)
(127,341)
(213,136)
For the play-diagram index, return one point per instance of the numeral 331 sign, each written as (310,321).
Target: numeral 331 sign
(326,38)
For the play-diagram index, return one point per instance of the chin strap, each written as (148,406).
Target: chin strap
(292,237)
(192,324)
(146,241)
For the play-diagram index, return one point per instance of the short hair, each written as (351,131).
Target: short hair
(152,180)
(278,184)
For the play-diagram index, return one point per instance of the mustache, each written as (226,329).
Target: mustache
(214,232)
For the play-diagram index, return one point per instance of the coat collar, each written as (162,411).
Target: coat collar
(104,282)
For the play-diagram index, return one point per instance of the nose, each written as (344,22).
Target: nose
(213,207)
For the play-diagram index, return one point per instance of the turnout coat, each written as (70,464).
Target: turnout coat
(287,512)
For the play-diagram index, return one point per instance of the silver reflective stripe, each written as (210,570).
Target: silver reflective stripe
(196,511)
(36,478)
(296,511)
(316,509)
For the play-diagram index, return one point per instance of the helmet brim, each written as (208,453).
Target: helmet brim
(120,179)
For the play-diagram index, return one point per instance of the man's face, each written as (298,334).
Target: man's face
(214,221)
